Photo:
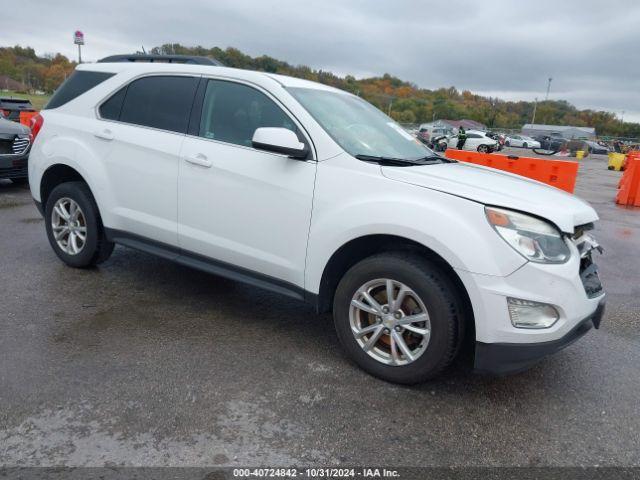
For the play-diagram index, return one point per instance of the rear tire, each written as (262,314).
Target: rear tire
(433,291)
(90,246)
(483,149)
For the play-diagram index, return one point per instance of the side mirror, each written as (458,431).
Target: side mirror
(279,140)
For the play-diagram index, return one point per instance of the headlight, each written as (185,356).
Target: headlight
(534,239)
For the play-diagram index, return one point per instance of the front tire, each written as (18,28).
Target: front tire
(399,317)
(483,149)
(74,227)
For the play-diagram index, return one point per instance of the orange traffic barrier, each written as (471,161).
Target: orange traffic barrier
(561,174)
(629,186)
(630,156)
(25,117)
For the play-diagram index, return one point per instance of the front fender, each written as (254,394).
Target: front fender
(454,228)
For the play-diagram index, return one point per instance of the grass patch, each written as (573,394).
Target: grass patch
(38,101)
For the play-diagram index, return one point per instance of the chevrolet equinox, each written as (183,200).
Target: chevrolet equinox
(312,192)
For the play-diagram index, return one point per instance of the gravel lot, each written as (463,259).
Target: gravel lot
(144,362)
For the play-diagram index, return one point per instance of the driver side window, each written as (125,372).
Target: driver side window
(232,112)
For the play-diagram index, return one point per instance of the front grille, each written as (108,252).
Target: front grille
(586,245)
(14,146)
(6,146)
(20,145)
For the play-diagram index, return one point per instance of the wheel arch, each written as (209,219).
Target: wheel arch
(362,247)
(55,175)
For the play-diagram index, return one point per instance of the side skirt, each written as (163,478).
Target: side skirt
(210,265)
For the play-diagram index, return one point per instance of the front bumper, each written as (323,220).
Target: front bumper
(503,358)
(572,288)
(14,166)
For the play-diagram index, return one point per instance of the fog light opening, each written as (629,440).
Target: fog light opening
(529,314)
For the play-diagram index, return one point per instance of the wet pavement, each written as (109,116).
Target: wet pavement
(145,362)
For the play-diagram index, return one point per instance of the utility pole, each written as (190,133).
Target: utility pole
(548,88)
(535,107)
(622,117)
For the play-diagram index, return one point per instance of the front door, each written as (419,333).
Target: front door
(246,208)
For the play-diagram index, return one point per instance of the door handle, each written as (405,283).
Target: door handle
(105,134)
(200,160)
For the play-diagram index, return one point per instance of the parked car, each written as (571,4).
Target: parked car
(477,141)
(521,141)
(14,151)
(595,147)
(10,108)
(548,142)
(313,193)
(427,132)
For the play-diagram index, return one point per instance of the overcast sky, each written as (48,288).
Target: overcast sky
(494,47)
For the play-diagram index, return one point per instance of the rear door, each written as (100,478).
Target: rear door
(145,124)
(246,208)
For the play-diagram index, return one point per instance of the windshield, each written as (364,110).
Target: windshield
(359,127)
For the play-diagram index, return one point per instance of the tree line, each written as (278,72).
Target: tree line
(404,101)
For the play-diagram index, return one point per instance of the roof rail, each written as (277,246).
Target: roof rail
(141,57)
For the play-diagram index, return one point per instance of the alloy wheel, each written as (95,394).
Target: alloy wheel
(390,322)
(69,226)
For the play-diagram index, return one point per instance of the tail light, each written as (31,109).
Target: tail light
(36,125)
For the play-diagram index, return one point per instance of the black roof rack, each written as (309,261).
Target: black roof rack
(142,57)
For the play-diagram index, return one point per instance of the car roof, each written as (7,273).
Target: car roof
(138,68)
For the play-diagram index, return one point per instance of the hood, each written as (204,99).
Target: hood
(501,189)
(14,128)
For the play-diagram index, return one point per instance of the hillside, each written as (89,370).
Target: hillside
(405,101)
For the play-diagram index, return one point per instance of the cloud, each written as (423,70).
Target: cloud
(589,47)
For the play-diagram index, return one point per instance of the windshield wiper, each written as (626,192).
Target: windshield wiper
(402,162)
(431,159)
(392,161)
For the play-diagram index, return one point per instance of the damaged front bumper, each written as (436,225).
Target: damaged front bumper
(504,358)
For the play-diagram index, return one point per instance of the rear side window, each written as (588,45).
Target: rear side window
(162,102)
(110,110)
(78,83)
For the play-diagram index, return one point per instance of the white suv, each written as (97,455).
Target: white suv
(311,192)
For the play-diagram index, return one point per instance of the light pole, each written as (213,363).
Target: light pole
(535,107)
